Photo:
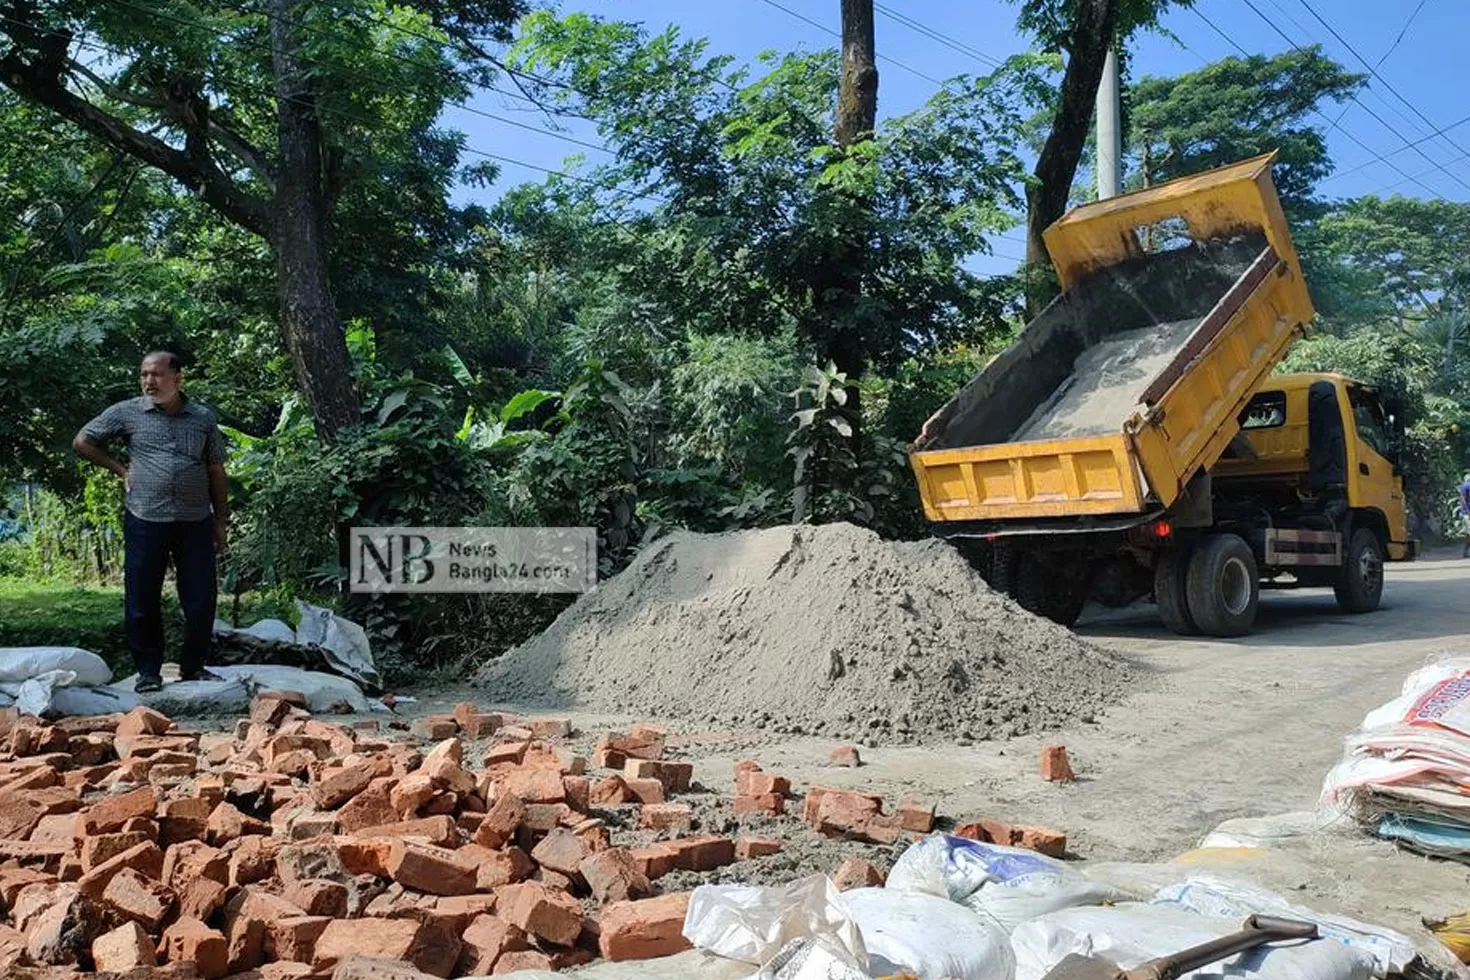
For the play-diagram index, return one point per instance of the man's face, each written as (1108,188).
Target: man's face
(159,381)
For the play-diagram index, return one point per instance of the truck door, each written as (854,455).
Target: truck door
(1373,480)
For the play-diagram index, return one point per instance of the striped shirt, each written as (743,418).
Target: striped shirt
(168,456)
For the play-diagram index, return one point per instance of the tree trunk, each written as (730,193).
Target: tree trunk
(1056,167)
(309,321)
(857,118)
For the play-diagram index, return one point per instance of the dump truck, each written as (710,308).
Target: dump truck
(1134,441)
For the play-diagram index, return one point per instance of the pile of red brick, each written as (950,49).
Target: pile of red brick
(294,847)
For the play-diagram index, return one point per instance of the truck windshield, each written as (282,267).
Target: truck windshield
(1369,419)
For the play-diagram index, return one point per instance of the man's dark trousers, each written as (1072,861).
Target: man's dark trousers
(149,546)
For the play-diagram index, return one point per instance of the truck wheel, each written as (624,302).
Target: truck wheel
(1171,594)
(1048,591)
(1223,586)
(1005,562)
(1360,581)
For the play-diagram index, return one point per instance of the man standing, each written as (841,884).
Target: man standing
(176,510)
(1464,511)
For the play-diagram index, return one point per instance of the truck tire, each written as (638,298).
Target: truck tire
(1005,561)
(1171,592)
(1223,586)
(1047,591)
(1360,581)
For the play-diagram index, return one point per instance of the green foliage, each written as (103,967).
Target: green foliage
(1237,108)
(1051,21)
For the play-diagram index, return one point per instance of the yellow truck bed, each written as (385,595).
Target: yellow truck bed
(1137,373)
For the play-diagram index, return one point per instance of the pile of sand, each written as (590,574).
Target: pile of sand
(820,630)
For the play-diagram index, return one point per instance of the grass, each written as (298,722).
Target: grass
(34,614)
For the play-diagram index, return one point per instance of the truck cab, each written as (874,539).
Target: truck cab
(1318,452)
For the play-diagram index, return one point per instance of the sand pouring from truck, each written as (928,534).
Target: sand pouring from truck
(1134,441)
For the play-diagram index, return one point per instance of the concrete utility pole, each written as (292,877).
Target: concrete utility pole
(1109,130)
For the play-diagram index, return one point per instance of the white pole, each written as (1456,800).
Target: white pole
(1109,131)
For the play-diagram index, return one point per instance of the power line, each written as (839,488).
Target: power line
(1402,31)
(1443,129)
(1377,157)
(1383,122)
(823,27)
(1373,70)
(934,35)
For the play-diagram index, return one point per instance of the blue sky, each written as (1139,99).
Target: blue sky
(1426,67)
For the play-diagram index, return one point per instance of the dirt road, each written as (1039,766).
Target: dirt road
(1216,730)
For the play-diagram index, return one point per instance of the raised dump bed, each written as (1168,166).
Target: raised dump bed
(1178,300)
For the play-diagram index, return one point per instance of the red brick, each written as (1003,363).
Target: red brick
(12,880)
(485,940)
(252,859)
(561,851)
(646,791)
(108,815)
(610,791)
(704,853)
(644,929)
(373,968)
(503,867)
(666,816)
(675,776)
(373,807)
(143,900)
(194,859)
(550,727)
(200,898)
(143,721)
(1055,766)
(534,785)
(145,859)
(1041,839)
(227,823)
(845,755)
(516,961)
(19,817)
(509,753)
(857,873)
(479,726)
(283,970)
(501,822)
(772,804)
(434,728)
(305,826)
(648,731)
(104,847)
(552,916)
(365,855)
(645,746)
(439,830)
(125,948)
(757,783)
(614,876)
(542,818)
(341,786)
(578,791)
(147,746)
(848,816)
(191,941)
(411,793)
(429,948)
(462,909)
(813,802)
(594,834)
(747,848)
(426,868)
(295,937)
(654,861)
(245,943)
(916,816)
(317,896)
(269,709)
(554,880)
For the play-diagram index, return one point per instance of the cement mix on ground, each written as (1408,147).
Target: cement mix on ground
(1106,383)
(824,630)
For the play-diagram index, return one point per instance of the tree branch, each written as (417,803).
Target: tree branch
(110,90)
(43,87)
(245,152)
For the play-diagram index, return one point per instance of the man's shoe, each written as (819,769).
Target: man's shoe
(202,674)
(148,685)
